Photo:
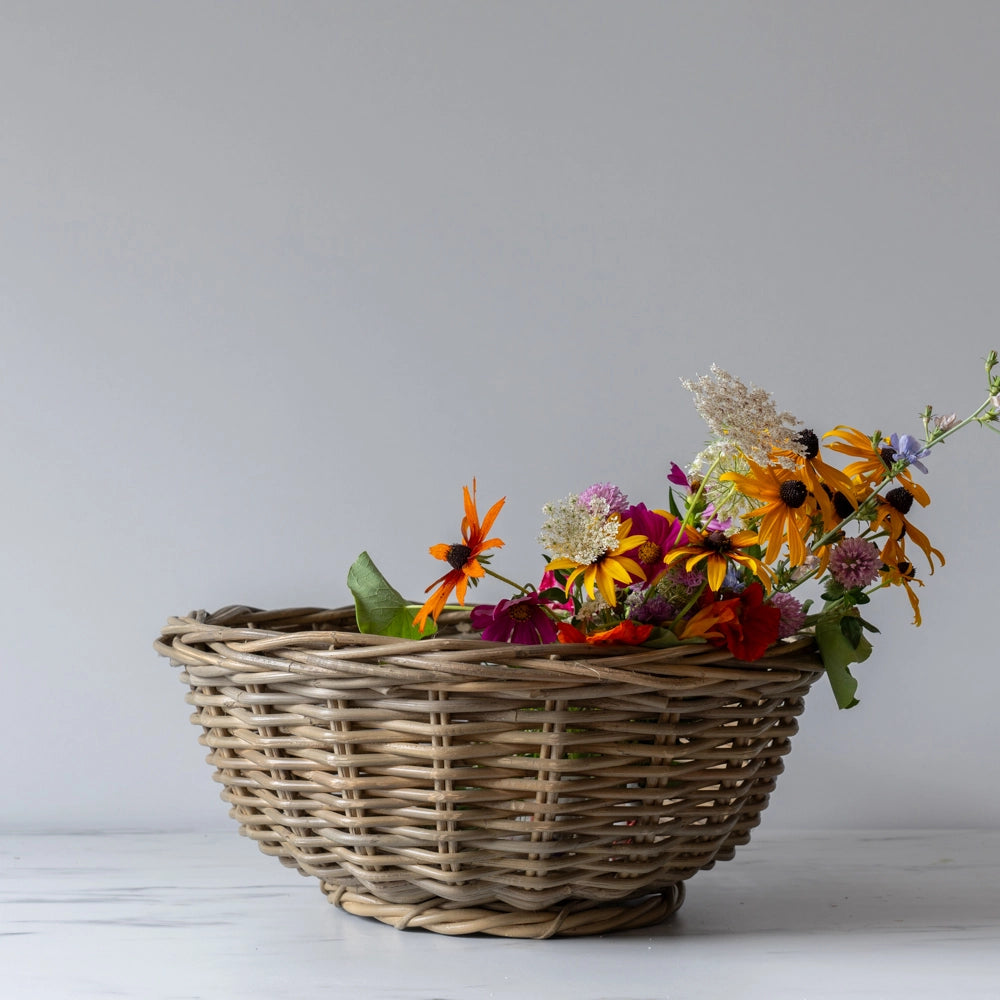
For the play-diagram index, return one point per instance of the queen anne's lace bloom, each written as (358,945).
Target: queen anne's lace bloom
(578,532)
(744,417)
(726,500)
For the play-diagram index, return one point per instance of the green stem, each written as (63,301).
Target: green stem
(692,600)
(889,477)
(693,500)
(510,583)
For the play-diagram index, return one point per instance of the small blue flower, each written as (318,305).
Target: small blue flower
(906,448)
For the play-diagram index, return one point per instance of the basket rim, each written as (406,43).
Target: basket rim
(232,634)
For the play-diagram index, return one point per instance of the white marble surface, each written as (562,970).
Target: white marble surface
(795,916)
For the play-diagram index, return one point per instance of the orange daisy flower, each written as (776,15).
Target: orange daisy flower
(903,575)
(873,464)
(890,516)
(786,511)
(463,557)
(833,490)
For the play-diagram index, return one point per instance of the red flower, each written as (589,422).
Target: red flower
(626,633)
(746,626)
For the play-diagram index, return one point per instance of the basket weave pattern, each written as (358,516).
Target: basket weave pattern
(465,786)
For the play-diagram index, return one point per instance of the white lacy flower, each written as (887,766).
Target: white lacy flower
(744,417)
(727,500)
(591,611)
(573,531)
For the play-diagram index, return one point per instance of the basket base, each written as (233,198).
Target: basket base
(573,920)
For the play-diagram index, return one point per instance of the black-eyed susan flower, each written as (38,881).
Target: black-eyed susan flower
(890,516)
(902,574)
(832,489)
(463,557)
(607,569)
(714,551)
(786,512)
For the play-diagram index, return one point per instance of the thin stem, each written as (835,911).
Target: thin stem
(510,583)
(889,477)
(697,495)
(690,604)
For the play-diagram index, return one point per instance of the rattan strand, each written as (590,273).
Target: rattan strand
(465,787)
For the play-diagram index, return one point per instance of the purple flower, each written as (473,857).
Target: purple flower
(906,448)
(688,579)
(792,616)
(855,563)
(678,476)
(656,611)
(617,501)
(712,522)
(523,620)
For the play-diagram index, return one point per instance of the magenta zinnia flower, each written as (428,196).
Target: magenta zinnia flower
(661,531)
(523,620)
(855,563)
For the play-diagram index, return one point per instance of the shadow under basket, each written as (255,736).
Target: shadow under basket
(468,787)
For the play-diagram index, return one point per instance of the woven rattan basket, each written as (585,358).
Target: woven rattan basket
(464,786)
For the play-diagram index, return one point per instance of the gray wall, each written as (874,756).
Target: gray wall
(277,279)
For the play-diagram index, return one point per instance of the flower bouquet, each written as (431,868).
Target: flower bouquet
(758,513)
(562,761)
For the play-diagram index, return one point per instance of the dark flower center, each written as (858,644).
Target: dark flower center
(886,454)
(793,493)
(649,553)
(520,612)
(458,555)
(900,498)
(718,541)
(809,441)
(842,506)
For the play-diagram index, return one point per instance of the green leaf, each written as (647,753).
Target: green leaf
(379,607)
(850,627)
(837,652)
(663,638)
